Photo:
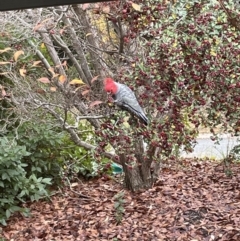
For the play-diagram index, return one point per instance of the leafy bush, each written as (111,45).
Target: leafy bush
(81,162)
(30,161)
(15,184)
(35,156)
(235,152)
(44,143)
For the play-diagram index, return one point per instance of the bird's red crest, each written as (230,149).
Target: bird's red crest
(110,85)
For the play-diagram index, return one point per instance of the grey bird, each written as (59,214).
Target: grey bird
(124,97)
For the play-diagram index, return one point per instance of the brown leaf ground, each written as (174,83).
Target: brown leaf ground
(192,200)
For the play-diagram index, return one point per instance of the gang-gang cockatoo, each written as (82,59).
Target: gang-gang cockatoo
(124,97)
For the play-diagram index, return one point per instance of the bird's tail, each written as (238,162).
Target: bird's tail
(143,118)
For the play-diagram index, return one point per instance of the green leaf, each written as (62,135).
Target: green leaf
(47,180)
(116,205)
(5,176)
(8,213)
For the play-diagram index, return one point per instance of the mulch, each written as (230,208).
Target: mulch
(192,200)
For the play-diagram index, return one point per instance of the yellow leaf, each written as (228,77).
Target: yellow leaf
(42,46)
(62,78)
(136,7)
(213,53)
(217,41)
(76,82)
(17,54)
(126,124)
(4,50)
(23,72)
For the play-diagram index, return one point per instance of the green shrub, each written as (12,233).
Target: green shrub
(45,144)
(30,162)
(235,152)
(35,156)
(81,162)
(15,185)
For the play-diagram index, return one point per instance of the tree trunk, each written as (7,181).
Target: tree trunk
(136,177)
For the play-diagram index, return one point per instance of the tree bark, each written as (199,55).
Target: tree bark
(136,177)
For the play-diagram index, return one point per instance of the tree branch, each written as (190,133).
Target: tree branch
(61,44)
(77,47)
(90,38)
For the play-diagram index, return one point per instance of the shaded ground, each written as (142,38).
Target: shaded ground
(190,201)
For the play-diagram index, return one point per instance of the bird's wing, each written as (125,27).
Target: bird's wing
(127,99)
(131,103)
(133,106)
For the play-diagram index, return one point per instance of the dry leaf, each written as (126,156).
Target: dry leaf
(106,9)
(4,50)
(74,184)
(95,78)
(85,6)
(85,92)
(63,30)
(35,63)
(53,89)
(3,73)
(96,102)
(37,27)
(62,78)
(2,63)
(88,34)
(54,75)
(23,72)
(64,63)
(76,82)
(44,80)
(3,92)
(51,70)
(40,91)
(136,7)
(17,54)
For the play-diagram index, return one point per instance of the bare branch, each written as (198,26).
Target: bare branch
(90,38)
(40,55)
(60,43)
(77,47)
(121,36)
(52,52)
